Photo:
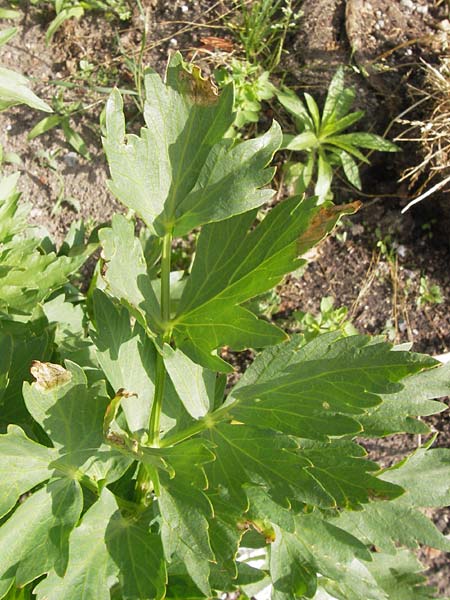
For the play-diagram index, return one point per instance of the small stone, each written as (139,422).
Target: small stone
(173,43)
(407,4)
(184,8)
(401,326)
(422,9)
(71,159)
(357,229)
(401,250)
(444,25)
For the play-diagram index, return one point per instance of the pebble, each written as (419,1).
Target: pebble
(173,43)
(71,159)
(35,212)
(407,4)
(422,9)
(184,8)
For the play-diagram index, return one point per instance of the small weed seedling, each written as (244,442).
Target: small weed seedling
(328,319)
(251,86)
(133,472)
(262,29)
(75,9)
(429,293)
(321,138)
(63,116)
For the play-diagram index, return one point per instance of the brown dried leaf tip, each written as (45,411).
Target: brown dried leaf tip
(323,222)
(202,90)
(49,376)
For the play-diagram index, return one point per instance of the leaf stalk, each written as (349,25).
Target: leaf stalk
(160,379)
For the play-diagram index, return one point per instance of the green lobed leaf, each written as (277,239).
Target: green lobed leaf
(170,174)
(35,538)
(247,456)
(316,547)
(194,384)
(233,265)
(72,416)
(30,340)
(386,524)
(398,577)
(23,464)
(139,557)
(128,358)
(126,272)
(425,475)
(185,511)
(72,342)
(91,569)
(399,410)
(316,397)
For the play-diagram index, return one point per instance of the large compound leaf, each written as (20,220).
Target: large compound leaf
(180,173)
(72,416)
(233,265)
(246,456)
(401,577)
(398,577)
(35,538)
(327,476)
(323,394)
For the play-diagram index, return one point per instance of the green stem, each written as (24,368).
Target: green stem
(207,422)
(160,379)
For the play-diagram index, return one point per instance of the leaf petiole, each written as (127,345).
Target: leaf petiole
(155,416)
